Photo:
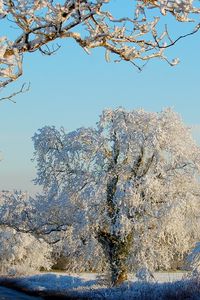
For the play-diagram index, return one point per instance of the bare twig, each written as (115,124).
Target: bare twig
(24,88)
(172,43)
(49,51)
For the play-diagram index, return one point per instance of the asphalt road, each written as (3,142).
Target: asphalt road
(9,294)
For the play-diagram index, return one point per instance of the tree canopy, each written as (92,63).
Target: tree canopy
(134,37)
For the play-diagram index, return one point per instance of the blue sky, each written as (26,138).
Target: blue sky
(71,89)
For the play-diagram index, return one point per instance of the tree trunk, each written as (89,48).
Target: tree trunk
(115,246)
(116,251)
(118,268)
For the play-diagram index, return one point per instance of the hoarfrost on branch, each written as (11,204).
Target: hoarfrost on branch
(135,37)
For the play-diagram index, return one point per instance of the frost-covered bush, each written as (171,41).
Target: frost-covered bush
(21,249)
(22,253)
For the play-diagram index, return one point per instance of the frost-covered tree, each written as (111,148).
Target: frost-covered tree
(136,36)
(22,250)
(132,183)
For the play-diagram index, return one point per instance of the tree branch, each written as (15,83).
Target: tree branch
(22,90)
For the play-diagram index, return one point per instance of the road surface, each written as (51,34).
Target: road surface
(9,294)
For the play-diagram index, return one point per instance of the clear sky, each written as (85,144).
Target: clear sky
(71,88)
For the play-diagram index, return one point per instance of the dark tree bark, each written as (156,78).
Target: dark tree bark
(117,252)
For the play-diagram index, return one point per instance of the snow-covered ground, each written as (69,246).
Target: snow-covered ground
(93,286)
(62,281)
